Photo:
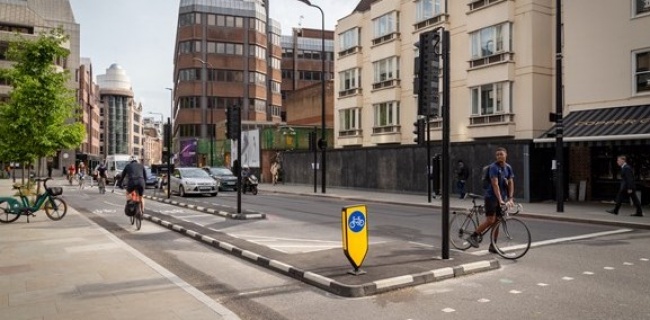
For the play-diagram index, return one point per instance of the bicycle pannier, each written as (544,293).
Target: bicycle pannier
(130,208)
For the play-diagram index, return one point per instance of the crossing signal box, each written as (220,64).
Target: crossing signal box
(232,122)
(427,70)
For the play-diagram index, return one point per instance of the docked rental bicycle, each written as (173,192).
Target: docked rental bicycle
(55,208)
(509,236)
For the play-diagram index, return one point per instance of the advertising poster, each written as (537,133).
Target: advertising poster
(187,155)
(250,149)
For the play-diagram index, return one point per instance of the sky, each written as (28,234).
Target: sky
(139,35)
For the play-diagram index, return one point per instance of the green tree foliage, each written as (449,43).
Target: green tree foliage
(41,115)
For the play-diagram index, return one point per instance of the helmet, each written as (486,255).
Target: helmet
(245,167)
(134,158)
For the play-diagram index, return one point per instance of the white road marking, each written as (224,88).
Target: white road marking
(609,268)
(542,284)
(589,273)
(448,310)
(558,240)
(515,291)
(644,259)
(567,278)
(628,263)
(483,300)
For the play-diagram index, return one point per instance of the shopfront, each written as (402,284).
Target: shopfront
(593,139)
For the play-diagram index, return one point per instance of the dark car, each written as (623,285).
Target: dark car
(224,177)
(152,178)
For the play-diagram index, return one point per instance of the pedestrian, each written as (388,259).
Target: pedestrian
(498,193)
(49,170)
(627,188)
(461,177)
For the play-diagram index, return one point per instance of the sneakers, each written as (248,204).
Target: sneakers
(492,249)
(473,240)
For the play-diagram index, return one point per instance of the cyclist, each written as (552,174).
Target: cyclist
(137,177)
(499,192)
(71,171)
(100,172)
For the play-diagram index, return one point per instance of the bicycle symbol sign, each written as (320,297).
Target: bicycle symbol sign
(356,221)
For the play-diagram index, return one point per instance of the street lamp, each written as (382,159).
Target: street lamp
(211,106)
(322,143)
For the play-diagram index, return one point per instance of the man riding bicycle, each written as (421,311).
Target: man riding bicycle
(136,182)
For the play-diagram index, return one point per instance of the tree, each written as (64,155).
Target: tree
(41,115)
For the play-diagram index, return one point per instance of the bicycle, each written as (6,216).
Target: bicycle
(55,208)
(101,185)
(136,217)
(509,236)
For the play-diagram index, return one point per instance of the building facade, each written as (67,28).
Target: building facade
(88,95)
(29,18)
(153,146)
(120,114)
(502,72)
(221,58)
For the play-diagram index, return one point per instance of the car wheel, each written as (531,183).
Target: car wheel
(181,191)
(214,194)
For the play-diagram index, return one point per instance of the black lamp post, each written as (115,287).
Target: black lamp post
(212,131)
(322,143)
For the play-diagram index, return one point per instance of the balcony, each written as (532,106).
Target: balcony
(349,92)
(492,59)
(386,38)
(476,5)
(385,84)
(429,22)
(349,51)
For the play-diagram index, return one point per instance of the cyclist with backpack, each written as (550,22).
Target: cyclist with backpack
(499,191)
(136,182)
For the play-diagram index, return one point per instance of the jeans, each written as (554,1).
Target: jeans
(460,187)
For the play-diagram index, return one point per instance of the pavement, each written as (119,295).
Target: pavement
(68,269)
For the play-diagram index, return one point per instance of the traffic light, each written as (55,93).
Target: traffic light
(427,73)
(418,131)
(322,144)
(232,122)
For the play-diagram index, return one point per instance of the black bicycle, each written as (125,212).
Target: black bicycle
(509,236)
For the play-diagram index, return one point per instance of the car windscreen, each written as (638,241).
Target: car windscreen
(221,172)
(120,165)
(194,173)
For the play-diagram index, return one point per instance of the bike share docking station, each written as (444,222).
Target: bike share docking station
(354,224)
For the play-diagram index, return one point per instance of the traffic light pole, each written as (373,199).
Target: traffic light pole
(169,157)
(445,142)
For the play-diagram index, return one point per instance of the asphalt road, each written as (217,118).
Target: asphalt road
(576,271)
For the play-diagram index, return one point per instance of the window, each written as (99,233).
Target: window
(642,73)
(386,114)
(385,24)
(493,98)
(349,79)
(349,39)
(350,122)
(386,69)
(642,6)
(489,41)
(427,9)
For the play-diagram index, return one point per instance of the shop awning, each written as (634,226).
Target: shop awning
(607,124)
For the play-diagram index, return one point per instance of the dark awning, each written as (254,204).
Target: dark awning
(608,124)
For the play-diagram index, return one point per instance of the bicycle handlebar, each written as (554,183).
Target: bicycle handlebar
(44,180)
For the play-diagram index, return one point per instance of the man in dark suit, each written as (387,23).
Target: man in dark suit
(627,188)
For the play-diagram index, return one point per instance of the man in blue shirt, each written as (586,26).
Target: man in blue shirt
(499,193)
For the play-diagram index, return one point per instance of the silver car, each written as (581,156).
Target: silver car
(193,181)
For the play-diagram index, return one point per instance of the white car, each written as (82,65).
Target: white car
(193,181)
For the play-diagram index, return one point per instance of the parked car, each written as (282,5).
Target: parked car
(224,177)
(192,181)
(152,178)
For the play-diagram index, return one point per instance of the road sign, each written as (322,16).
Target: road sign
(354,223)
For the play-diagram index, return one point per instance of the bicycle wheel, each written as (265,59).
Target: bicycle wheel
(461,226)
(57,211)
(5,214)
(511,238)
(138,218)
